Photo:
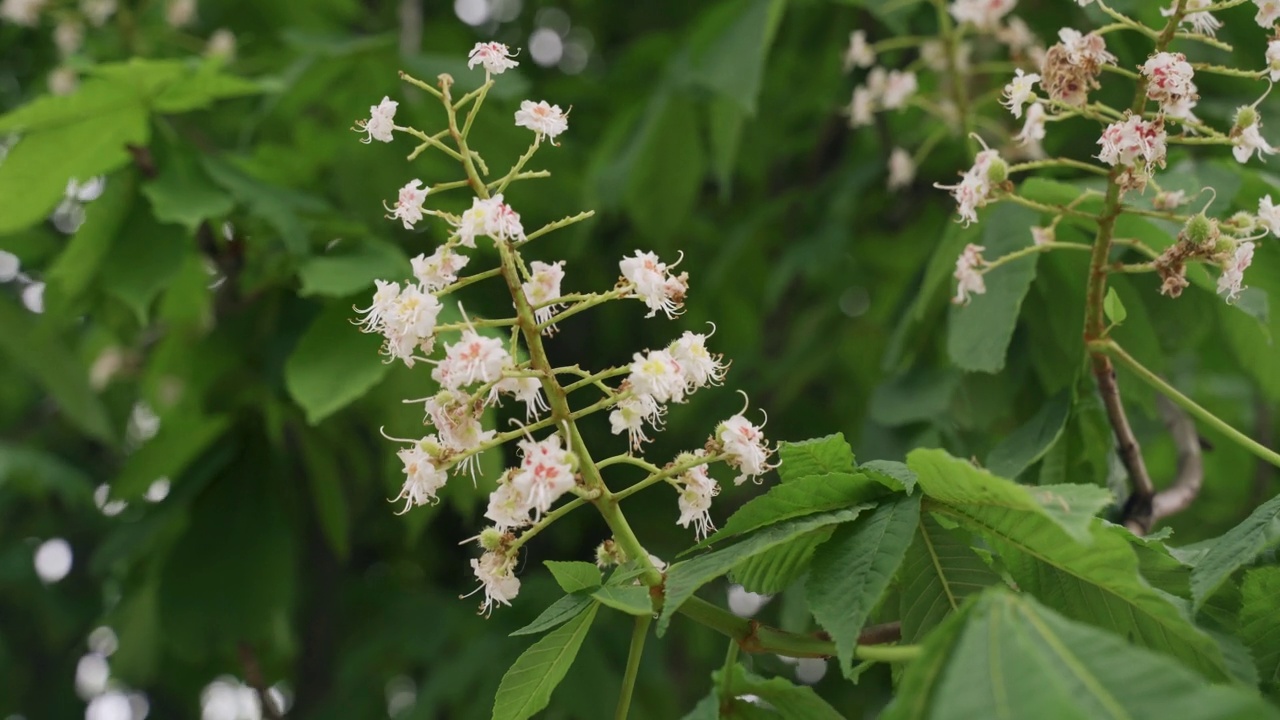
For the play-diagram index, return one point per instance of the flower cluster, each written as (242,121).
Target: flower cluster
(477,369)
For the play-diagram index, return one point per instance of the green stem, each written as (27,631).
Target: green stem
(638,635)
(420,84)
(951,41)
(670,472)
(1047,209)
(1191,406)
(427,141)
(562,222)
(515,169)
(1057,163)
(725,693)
(475,108)
(753,637)
(1032,250)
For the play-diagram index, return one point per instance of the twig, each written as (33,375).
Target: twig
(1142,513)
(1104,372)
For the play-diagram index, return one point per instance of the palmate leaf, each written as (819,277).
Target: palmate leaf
(851,572)
(526,687)
(773,570)
(574,576)
(940,571)
(685,577)
(1098,583)
(1007,656)
(1260,621)
(819,456)
(557,613)
(788,700)
(1237,547)
(818,493)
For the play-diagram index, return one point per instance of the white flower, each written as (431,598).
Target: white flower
(98,11)
(696,491)
(545,473)
(1269,215)
(984,14)
(861,108)
(543,287)
(10,265)
(380,123)
(1273,59)
(63,80)
(899,86)
(422,479)
(658,375)
(968,279)
(1020,91)
(859,53)
(508,508)
(1169,199)
(746,447)
(491,217)
(651,280)
(631,414)
(221,44)
(474,358)
(180,13)
(495,57)
(1169,78)
(1248,141)
(408,207)
(439,269)
(496,573)
(902,169)
(405,318)
(1232,280)
(1042,235)
(1033,130)
(22,12)
(1268,12)
(457,419)
(975,185)
(1128,141)
(68,36)
(1018,36)
(1200,22)
(527,390)
(542,119)
(697,366)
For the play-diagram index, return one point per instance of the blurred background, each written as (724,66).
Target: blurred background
(194,515)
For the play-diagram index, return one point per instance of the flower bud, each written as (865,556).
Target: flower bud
(1246,116)
(997,171)
(1243,222)
(609,553)
(491,539)
(1200,229)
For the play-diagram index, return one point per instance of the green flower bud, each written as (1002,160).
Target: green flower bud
(491,539)
(998,171)
(1200,229)
(1246,116)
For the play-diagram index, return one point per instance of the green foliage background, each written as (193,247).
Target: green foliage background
(242,220)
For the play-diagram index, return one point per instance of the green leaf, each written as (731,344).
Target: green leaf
(684,578)
(526,687)
(773,570)
(813,494)
(333,364)
(574,576)
(790,701)
(1260,621)
(77,265)
(819,456)
(891,474)
(630,599)
(730,47)
(957,483)
(279,207)
(1237,547)
(324,477)
(181,439)
(184,195)
(38,353)
(558,613)
(352,268)
(1098,582)
(1113,308)
(1030,442)
(852,571)
(143,260)
(939,572)
(1013,658)
(667,167)
(979,332)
